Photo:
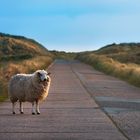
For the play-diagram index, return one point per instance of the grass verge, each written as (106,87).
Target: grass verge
(128,72)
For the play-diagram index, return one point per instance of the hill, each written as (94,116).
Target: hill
(123,52)
(19,47)
(119,60)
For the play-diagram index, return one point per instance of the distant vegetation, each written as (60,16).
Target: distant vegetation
(64,55)
(20,55)
(120,60)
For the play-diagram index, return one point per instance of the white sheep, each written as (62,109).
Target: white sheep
(29,87)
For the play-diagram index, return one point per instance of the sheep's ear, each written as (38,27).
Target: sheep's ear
(49,73)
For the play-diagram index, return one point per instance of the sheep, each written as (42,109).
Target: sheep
(29,87)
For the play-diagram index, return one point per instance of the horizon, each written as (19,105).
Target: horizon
(72,26)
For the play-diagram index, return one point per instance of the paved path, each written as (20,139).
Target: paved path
(76,108)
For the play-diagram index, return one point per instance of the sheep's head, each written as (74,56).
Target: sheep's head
(43,75)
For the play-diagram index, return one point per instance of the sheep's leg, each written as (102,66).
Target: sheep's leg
(21,108)
(33,110)
(13,107)
(37,107)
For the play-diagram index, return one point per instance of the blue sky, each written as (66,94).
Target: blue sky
(72,25)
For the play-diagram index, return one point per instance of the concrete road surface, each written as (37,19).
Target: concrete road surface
(83,104)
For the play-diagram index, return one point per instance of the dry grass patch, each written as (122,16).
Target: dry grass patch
(129,72)
(7,69)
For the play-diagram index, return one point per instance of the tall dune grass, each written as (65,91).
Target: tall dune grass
(7,69)
(128,72)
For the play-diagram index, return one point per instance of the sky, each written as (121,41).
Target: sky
(72,25)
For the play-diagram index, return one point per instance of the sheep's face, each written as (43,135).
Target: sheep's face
(43,76)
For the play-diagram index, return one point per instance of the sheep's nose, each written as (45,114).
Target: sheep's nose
(45,79)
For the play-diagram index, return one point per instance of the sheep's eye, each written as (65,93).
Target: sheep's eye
(39,74)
